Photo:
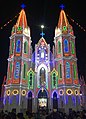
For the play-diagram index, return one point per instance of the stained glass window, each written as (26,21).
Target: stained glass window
(72,47)
(74,71)
(60,70)
(67,70)
(18,46)
(66,47)
(24,71)
(17,70)
(59,47)
(10,70)
(25,47)
(12,46)
(54,79)
(30,80)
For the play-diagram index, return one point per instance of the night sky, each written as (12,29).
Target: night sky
(42,12)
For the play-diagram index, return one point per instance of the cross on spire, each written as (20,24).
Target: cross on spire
(62,6)
(42,34)
(23,6)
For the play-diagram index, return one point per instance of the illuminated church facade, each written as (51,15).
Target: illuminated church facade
(42,80)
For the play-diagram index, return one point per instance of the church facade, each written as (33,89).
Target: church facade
(42,80)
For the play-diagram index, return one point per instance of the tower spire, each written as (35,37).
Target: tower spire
(22,21)
(63,21)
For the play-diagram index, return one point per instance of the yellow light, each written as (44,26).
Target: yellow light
(69,92)
(8,92)
(15,92)
(23,92)
(76,92)
(61,92)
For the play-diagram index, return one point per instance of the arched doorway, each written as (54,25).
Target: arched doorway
(42,101)
(55,101)
(29,104)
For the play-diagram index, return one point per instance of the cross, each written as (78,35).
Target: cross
(62,6)
(42,34)
(23,6)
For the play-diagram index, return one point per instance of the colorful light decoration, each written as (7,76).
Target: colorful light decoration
(23,92)
(8,92)
(76,92)
(15,92)
(61,92)
(69,92)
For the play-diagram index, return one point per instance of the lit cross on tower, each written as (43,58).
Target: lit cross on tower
(62,6)
(42,34)
(23,6)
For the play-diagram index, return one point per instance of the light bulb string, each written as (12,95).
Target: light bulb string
(9,22)
(76,23)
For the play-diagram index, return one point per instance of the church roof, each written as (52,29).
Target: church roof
(22,21)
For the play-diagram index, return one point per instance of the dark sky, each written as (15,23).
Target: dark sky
(42,12)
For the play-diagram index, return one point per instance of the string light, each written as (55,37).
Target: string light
(76,23)
(8,22)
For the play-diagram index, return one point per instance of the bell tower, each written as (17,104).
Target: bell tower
(66,64)
(19,63)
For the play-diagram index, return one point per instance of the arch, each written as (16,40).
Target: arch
(43,90)
(46,74)
(55,91)
(29,92)
(66,46)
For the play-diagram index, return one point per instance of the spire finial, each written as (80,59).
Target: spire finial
(23,6)
(62,6)
(42,33)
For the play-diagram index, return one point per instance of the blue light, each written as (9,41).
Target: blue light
(62,6)
(23,6)
(42,34)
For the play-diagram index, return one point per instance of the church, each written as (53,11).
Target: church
(43,79)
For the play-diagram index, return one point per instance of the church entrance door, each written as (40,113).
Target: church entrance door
(42,101)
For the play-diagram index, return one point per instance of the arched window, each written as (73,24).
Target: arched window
(72,47)
(25,47)
(30,79)
(74,71)
(67,70)
(12,46)
(60,71)
(24,71)
(10,70)
(18,46)
(54,80)
(17,70)
(59,47)
(66,46)
(42,76)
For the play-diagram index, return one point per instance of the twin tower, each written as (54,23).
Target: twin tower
(42,80)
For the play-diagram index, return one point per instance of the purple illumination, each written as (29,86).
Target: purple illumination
(31,92)
(55,91)
(62,6)
(41,90)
